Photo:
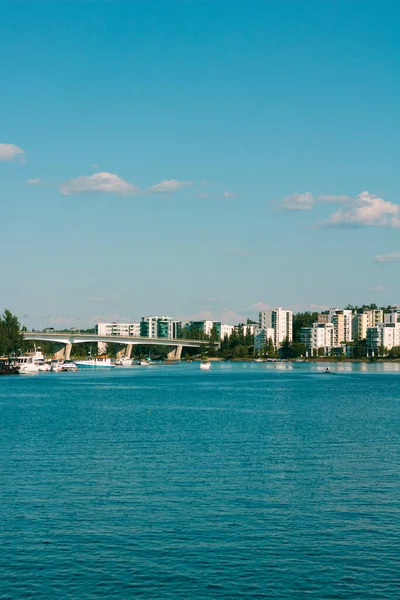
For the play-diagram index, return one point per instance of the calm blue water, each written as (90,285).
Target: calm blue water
(169,482)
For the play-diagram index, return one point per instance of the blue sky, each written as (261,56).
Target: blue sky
(197,157)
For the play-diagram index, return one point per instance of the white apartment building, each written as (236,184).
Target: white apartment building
(342,320)
(123,329)
(227,330)
(157,327)
(319,335)
(281,321)
(392,316)
(386,335)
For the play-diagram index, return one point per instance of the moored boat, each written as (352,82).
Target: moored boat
(26,365)
(99,362)
(123,362)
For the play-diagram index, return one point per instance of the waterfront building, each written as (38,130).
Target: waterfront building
(281,321)
(363,319)
(384,335)
(227,330)
(207,327)
(249,329)
(262,337)
(319,335)
(123,329)
(157,327)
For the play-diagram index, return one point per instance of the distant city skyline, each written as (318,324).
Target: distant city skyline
(201,160)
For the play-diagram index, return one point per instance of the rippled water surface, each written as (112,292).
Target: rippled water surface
(170,482)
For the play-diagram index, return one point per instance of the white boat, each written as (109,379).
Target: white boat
(258,360)
(68,365)
(144,363)
(123,362)
(100,362)
(205,365)
(55,366)
(26,365)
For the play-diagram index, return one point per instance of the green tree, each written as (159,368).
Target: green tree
(300,320)
(11,339)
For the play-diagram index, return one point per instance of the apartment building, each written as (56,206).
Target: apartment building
(319,335)
(122,329)
(280,321)
(261,338)
(157,327)
(385,335)
(364,319)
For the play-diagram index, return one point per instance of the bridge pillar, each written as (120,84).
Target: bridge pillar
(125,352)
(64,353)
(175,354)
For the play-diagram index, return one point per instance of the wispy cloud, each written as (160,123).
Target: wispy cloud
(307,200)
(366,210)
(228,194)
(168,186)
(110,183)
(35,181)
(11,152)
(387,258)
(377,288)
(301,201)
(98,182)
(259,306)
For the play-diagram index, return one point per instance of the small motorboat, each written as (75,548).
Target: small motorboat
(205,365)
(68,365)
(124,361)
(144,363)
(26,365)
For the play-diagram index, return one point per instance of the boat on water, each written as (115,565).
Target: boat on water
(99,362)
(205,365)
(68,365)
(26,365)
(145,362)
(63,365)
(258,360)
(123,362)
(8,366)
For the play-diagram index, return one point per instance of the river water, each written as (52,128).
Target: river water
(245,481)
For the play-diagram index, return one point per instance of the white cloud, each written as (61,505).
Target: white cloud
(259,306)
(366,210)
(392,257)
(227,194)
(377,288)
(10,152)
(232,317)
(35,181)
(98,182)
(168,186)
(303,201)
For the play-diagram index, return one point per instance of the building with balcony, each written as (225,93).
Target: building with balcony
(157,327)
(280,321)
(319,335)
(384,336)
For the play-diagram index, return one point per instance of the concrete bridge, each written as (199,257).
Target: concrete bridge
(67,339)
